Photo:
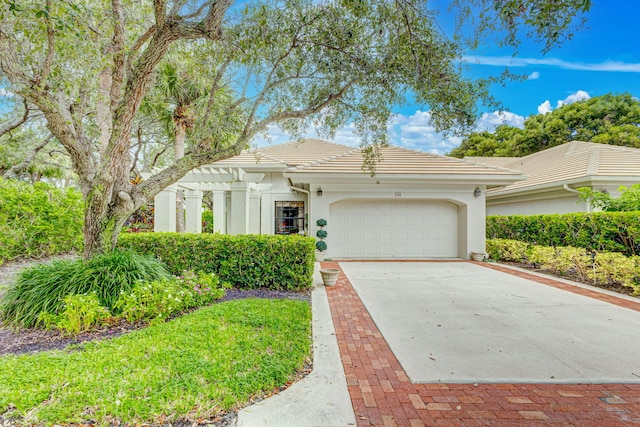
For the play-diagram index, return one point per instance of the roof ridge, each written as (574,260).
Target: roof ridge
(502,168)
(594,161)
(304,140)
(333,157)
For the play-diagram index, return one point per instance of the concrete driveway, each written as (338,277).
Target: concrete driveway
(458,322)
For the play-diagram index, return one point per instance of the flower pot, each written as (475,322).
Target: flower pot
(329,276)
(319,256)
(478,256)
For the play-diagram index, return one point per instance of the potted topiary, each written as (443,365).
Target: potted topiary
(321,245)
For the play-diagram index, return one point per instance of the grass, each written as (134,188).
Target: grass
(194,367)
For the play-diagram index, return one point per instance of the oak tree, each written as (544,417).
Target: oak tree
(88,66)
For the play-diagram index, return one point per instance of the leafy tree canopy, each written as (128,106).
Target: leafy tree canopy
(628,201)
(90,67)
(608,119)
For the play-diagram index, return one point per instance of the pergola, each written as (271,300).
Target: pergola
(236,200)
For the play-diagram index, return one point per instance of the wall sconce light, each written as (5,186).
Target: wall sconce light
(477,192)
(319,192)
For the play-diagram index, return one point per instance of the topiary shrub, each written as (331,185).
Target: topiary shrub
(245,261)
(43,287)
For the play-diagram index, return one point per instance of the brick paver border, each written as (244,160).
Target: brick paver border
(383,395)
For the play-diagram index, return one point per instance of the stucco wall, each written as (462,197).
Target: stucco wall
(471,210)
(541,206)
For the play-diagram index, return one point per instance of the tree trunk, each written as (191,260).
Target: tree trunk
(103,108)
(102,236)
(181,134)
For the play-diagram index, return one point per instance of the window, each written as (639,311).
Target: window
(289,217)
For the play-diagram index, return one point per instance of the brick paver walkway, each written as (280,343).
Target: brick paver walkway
(382,394)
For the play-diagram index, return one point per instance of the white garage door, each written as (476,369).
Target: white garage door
(393,229)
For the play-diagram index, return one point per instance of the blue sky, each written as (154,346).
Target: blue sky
(604,57)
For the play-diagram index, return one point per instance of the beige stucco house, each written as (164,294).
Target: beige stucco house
(553,175)
(417,205)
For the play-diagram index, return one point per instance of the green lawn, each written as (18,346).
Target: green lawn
(193,367)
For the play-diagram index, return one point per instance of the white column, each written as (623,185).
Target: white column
(254,212)
(164,215)
(219,211)
(266,214)
(239,221)
(193,222)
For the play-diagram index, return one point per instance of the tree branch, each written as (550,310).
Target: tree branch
(15,123)
(298,114)
(48,62)
(212,23)
(159,10)
(156,183)
(118,70)
(16,169)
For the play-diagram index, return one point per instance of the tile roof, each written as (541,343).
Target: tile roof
(317,156)
(564,163)
(293,154)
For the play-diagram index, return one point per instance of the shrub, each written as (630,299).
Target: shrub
(561,260)
(38,220)
(615,268)
(207,221)
(141,220)
(43,287)
(599,268)
(160,299)
(244,261)
(543,257)
(80,313)
(507,250)
(598,231)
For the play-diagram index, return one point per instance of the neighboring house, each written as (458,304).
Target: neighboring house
(417,205)
(553,175)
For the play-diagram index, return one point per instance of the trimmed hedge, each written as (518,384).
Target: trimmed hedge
(598,231)
(245,261)
(38,220)
(596,268)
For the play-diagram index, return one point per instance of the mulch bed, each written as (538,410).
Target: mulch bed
(34,340)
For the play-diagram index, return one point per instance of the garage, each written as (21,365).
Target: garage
(386,229)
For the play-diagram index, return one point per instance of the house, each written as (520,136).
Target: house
(553,175)
(417,205)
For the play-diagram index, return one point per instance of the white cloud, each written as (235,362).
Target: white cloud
(509,61)
(417,133)
(534,76)
(413,131)
(490,121)
(4,92)
(545,107)
(580,95)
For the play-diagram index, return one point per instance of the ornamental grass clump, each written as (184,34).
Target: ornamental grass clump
(43,287)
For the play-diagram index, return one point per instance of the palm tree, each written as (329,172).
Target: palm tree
(179,94)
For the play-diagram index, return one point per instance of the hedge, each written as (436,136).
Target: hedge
(598,231)
(38,220)
(596,268)
(244,261)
